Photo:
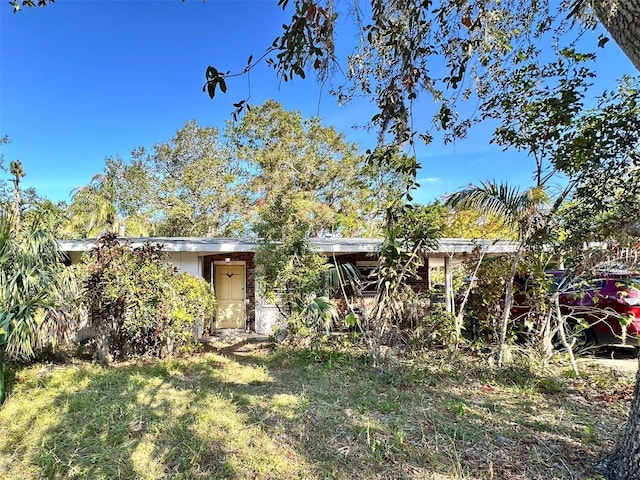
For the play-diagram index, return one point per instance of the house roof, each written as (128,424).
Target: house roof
(204,245)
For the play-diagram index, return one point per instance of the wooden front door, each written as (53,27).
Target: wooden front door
(229,288)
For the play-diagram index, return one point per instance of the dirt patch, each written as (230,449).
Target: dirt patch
(232,343)
(622,361)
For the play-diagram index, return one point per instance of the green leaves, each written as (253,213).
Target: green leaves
(307,40)
(601,155)
(520,209)
(602,40)
(332,188)
(138,302)
(240,107)
(215,79)
(320,313)
(29,272)
(188,201)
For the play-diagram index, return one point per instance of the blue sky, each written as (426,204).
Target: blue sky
(84,80)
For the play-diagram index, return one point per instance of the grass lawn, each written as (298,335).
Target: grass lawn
(247,412)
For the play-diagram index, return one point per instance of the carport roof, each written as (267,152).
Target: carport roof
(210,245)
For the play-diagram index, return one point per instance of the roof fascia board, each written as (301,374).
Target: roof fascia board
(446,246)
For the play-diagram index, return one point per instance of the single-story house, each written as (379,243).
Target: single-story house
(227,264)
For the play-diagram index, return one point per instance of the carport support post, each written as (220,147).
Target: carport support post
(448,288)
(428,269)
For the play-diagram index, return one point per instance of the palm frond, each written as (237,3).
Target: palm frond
(341,276)
(321,312)
(28,271)
(516,208)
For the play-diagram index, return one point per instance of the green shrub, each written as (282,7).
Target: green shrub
(484,306)
(196,303)
(438,328)
(138,304)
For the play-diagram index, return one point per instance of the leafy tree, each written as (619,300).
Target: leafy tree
(92,210)
(115,200)
(405,45)
(537,106)
(33,307)
(601,156)
(199,183)
(15,168)
(597,151)
(289,271)
(524,211)
(470,223)
(409,231)
(537,117)
(281,152)
(485,304)
(198,187)
(184,187)
(16,199)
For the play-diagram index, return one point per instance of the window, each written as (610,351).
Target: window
(369,272)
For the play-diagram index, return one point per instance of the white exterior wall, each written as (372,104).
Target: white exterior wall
(267,315)
(186,262)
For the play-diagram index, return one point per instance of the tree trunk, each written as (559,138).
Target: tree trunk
(460,314)
(2,391)
(624,462)
(563,336)
(508,302)
(620,18)
(546,341)
(374,336)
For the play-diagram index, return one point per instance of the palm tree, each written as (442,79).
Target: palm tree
(15,168)
(526,212)
(29,268)
(93,209)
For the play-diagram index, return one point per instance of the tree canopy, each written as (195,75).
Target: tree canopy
(202,182)
(449,51)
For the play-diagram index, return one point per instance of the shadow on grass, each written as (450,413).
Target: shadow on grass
(409,421)
(247,413)
(128,422)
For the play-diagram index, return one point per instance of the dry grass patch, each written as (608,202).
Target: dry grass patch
(254,413)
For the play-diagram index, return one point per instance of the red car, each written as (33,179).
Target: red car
(609,302)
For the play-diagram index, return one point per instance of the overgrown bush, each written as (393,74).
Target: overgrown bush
(436,329)
(138,304)
(197,302)
(289,270)
(62,323)
(485,305)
